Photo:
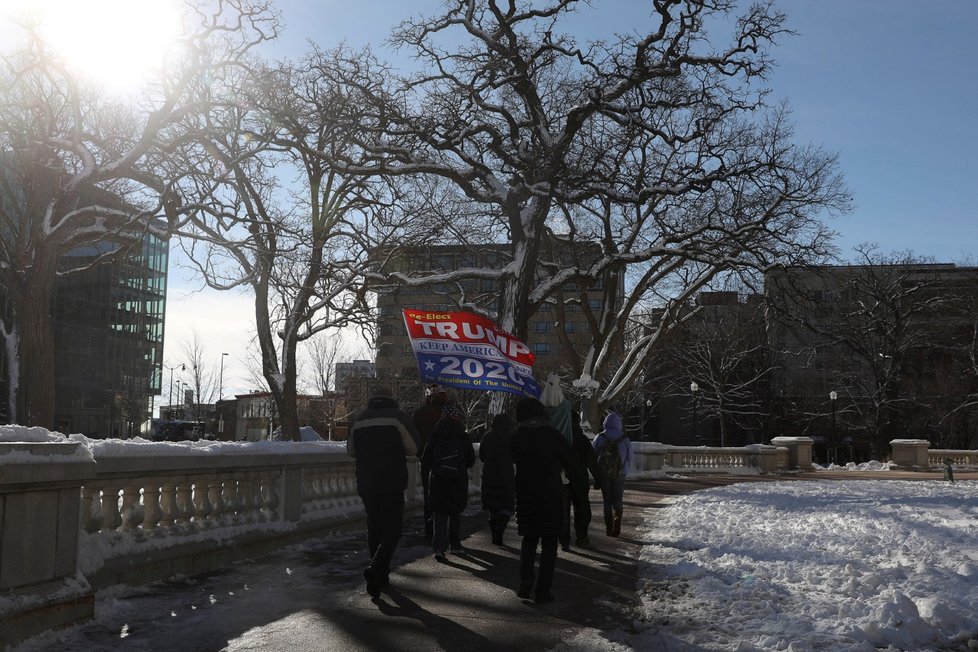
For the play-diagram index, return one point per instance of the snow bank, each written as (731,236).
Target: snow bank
(31,434)
(814,565)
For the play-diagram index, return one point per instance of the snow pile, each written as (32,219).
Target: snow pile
(31,434)
(104,448)
(872,465)
(822,565)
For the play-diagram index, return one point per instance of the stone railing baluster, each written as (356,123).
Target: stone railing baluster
(152,511)
(202,504)
(111,518)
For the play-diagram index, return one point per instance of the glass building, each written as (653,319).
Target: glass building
(108,332)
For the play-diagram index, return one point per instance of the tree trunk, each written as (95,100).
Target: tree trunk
(31,373)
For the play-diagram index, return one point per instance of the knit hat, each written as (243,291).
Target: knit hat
(452,411)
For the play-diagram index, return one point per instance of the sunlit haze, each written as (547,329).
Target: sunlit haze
(115,43)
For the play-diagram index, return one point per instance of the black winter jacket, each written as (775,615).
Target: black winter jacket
(381,440)
(540,453)
(498,477)
(448,495)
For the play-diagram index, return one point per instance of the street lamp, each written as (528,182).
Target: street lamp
(694,388)
(832,396)
(648,417)
(170,401)
(220,393)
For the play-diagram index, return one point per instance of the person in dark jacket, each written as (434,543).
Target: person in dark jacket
(425,418)
(448,455)
(381,439)
(613,484)
(498,477)
(541,453)
(579,486)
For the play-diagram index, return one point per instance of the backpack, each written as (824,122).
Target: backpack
(447,459)
(609,461)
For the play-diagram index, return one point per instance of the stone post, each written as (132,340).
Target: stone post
(910,454)
(799,451)
(40,510)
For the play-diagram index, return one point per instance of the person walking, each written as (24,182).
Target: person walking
(448,455)
(381,439)
(425,418)
(579,486)
(613,451)
(498,477)
(541,454)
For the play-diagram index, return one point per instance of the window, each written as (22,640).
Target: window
(570,327)
(540,348)
(541,327)
(594,304)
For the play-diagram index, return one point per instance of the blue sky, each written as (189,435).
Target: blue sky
(889,85)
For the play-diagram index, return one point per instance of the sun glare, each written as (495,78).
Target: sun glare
(116,43)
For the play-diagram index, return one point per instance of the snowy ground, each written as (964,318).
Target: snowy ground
(823,565)
(796,565)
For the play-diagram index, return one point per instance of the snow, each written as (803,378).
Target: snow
(31,434)
(813,565)
(103,448)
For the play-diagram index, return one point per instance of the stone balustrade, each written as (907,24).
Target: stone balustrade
(652,458)
(959,458)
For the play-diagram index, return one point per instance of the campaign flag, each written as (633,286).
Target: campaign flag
(468,351)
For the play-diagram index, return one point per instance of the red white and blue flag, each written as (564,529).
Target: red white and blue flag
(468,351)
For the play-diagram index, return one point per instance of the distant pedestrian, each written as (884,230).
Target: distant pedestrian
(448,455)
(381,439)
(541,455)
(559,412)
(425,418)
(579,485)
(498,477)
(614,455)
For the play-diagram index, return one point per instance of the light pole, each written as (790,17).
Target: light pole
(694,388)
(170,401)
(180,396)
(220,392)
(832,396)
(220,397)
(648,417)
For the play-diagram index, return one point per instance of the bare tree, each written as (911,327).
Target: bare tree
(79,171)
(202,375)
(278,218)
(655,148)
(873,325)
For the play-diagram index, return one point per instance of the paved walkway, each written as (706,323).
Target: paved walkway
(311,597)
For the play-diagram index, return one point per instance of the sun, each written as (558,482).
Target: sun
(116,43)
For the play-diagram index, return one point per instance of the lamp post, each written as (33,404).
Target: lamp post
(220,397)
(170,400)
(180,396)
(648,417)
(220,392)
(694,388)
(832,396)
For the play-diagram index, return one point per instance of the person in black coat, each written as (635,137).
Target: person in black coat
(498,477)
(381,440)
(541,453)
(579,487)
(425,418)
(448,455)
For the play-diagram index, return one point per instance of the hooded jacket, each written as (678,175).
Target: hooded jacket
(614,434)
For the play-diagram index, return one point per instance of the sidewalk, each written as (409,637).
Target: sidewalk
(312,597)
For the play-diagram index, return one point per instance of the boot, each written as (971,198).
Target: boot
(609,525)
(616,523)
